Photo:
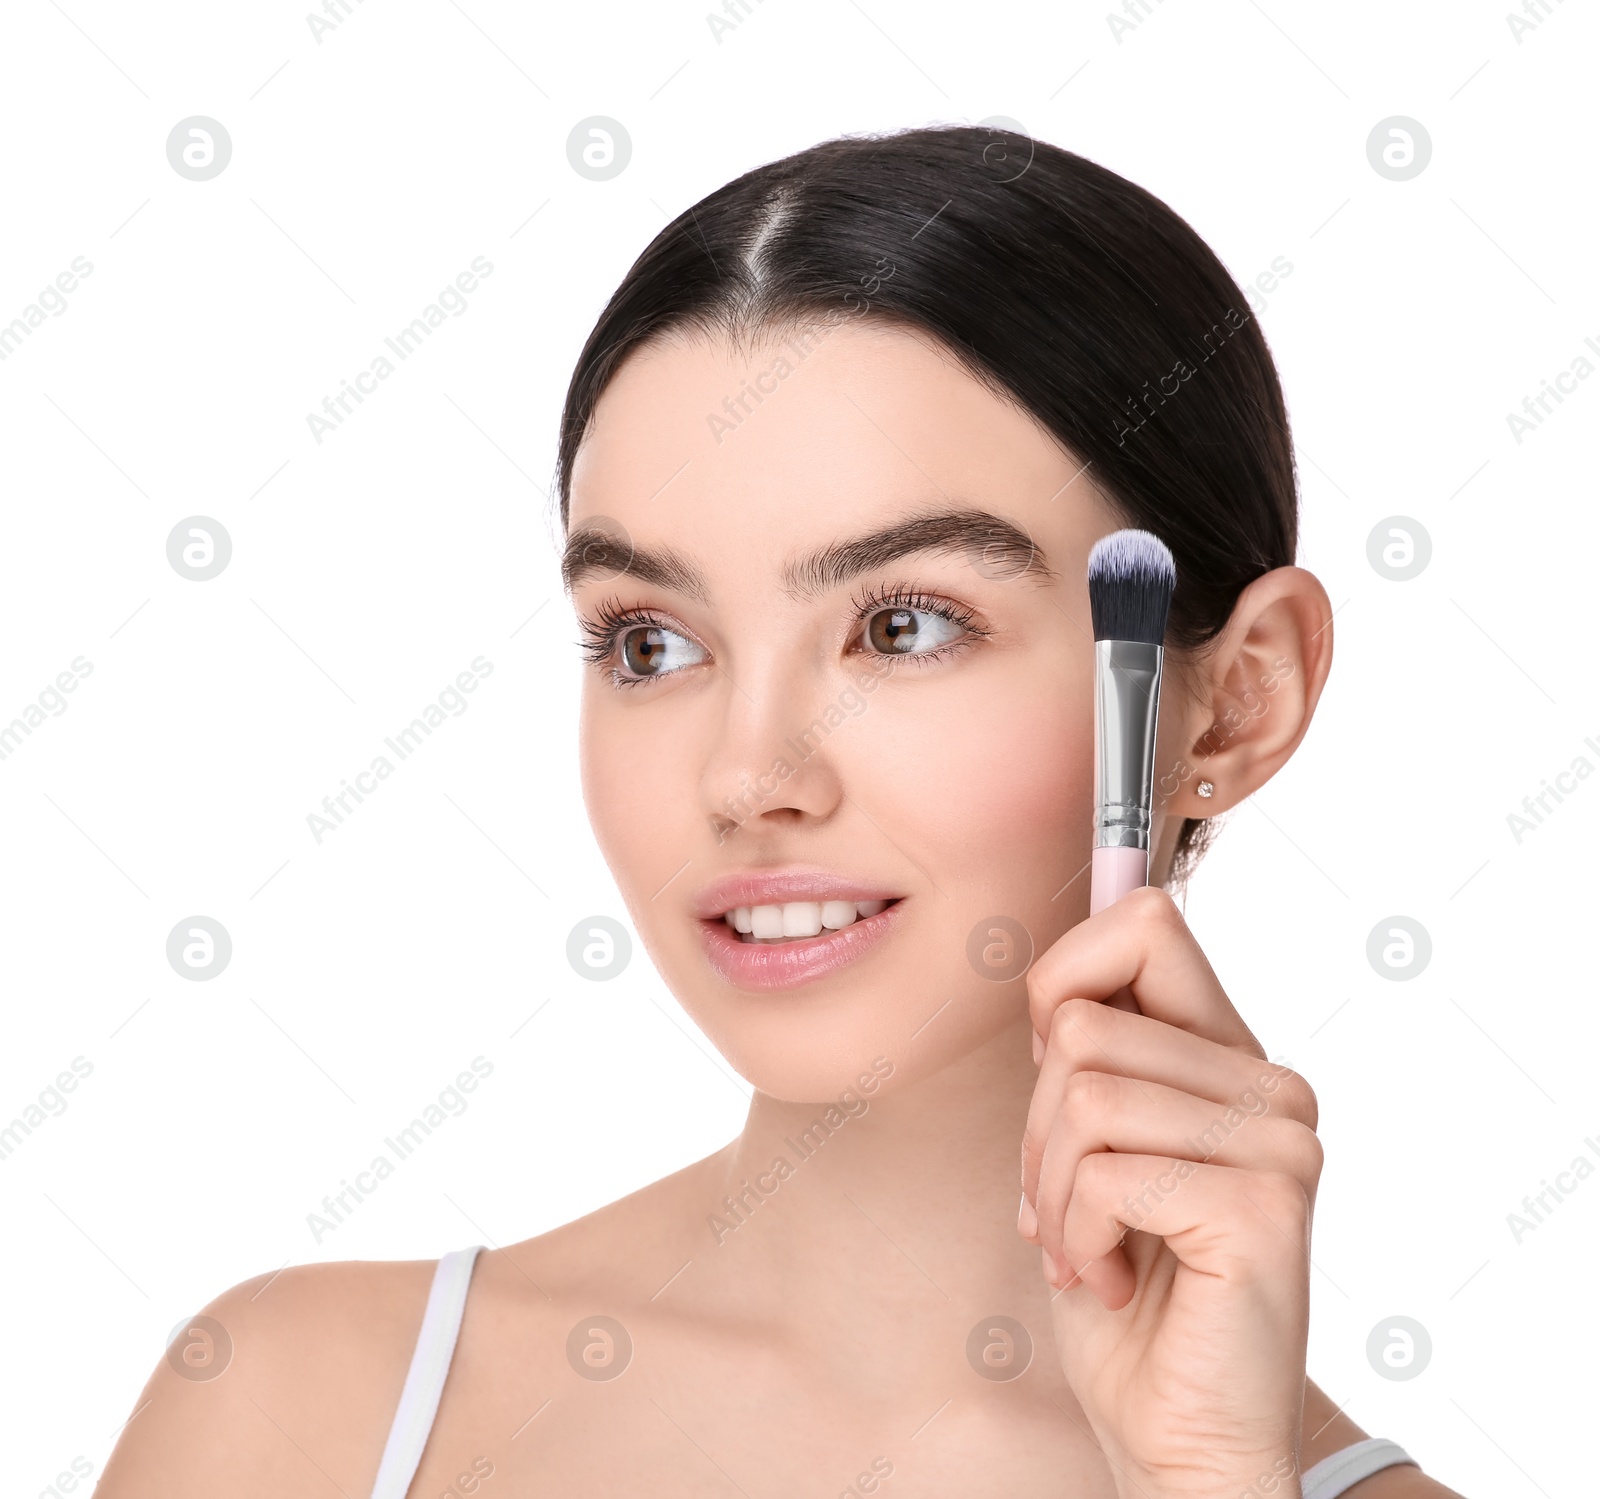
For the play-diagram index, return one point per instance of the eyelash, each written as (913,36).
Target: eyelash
(602,633)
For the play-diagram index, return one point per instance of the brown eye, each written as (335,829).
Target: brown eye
(643,650)
(651,651)
(901,631)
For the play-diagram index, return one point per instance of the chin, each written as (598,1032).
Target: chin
(874,1025)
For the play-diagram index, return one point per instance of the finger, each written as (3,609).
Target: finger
(1240,1228)
(1143,942)
(1086,1035)
(1122,1000)
(1101,1112)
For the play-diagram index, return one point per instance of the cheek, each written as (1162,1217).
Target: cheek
(994,774)
(632,797)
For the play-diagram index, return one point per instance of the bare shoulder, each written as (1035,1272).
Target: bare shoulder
(614,1260)
(289,1381)
(283,1376)
(1330,1431)
(641,1271)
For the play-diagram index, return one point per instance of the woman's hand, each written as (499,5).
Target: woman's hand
(1168,1175)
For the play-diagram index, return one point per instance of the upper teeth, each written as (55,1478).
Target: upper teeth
(799,918)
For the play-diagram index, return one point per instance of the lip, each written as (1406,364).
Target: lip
(776,887)
(787,965)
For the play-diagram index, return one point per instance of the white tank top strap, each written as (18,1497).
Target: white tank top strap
(436,1346)
(430,1363)
(1345,1468)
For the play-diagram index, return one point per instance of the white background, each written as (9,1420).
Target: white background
(368,570)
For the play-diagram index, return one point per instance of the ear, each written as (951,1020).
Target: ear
(1250,695)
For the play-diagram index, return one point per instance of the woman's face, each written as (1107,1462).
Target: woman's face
(854,654)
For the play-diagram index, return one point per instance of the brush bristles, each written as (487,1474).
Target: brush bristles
(1131,578)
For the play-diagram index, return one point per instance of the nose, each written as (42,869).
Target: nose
(770,764)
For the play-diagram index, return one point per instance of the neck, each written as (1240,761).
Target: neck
(902,1206)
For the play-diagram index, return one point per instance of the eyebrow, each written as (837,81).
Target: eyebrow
(1005,550)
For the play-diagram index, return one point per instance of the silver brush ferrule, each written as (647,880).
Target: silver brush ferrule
(1126,694)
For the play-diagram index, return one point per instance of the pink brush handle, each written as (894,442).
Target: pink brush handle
(1113,873)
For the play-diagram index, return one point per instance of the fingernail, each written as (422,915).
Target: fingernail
(1049,1266)
(1027,1219)
(1038,1049)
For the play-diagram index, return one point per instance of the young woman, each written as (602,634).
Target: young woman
(831,466)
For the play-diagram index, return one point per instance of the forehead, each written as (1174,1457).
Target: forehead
(746,457)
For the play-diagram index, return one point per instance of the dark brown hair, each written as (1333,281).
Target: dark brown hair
(1067,289)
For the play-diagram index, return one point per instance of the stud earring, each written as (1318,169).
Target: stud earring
(1205,788)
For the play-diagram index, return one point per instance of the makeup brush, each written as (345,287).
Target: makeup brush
(1131,578)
